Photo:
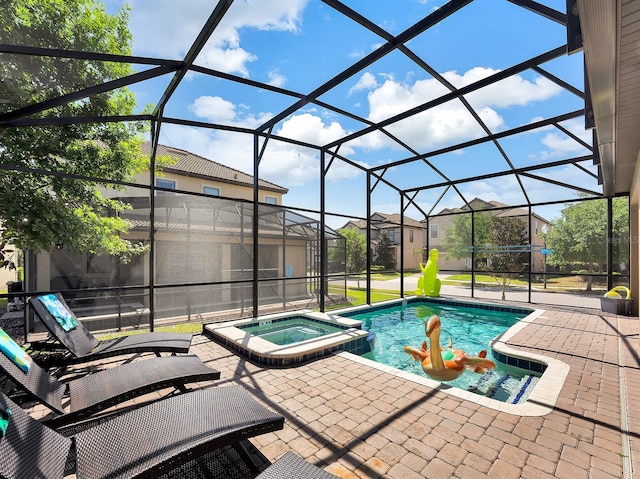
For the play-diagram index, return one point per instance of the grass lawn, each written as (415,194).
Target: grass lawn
(556,282)
(193,328)
(3,301)
(382,276)
(358,296)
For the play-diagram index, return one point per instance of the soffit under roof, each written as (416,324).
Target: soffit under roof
(611,33)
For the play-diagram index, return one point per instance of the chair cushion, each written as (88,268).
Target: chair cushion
(14,352)
(5,416)
(62,315)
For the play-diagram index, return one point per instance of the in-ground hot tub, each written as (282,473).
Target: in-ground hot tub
(284,339)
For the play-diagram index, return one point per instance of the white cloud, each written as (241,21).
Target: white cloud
(277,79)
(214,109)
(229,60)
(169,28)
(284,164)
(508,192)
(449,122)
(311,129)
(218,110)
(291,165)
(366,82)
(512,91)
(561,145)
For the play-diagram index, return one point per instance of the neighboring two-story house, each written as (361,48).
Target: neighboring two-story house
(438,225)
(197,174)
(391,226)
(200,238)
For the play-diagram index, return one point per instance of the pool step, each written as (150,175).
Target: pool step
(522,393)
(504,388)
(488,384)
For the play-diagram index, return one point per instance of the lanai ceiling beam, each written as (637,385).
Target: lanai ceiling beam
(558,81)
(478,141)
(491,79)
(84,93)
(77,120)
(283,91)
(413,31)
(547,12)
(574,137)
(564,185)
(520,171)
(586,170)
(264,144)
(84,55)
(196,47)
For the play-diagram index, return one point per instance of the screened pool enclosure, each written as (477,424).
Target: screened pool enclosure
(352,108)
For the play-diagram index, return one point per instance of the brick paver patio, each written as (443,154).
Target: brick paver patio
(359,422)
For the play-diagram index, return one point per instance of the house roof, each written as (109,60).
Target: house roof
(380,221)
(478,204)
(190,164)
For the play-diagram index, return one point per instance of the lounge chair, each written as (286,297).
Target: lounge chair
(55,314)
(146,442)
(291,466)
(96,392)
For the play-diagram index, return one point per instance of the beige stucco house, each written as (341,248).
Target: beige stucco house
(203,238)
(198,174)
(435,231)
(390,224)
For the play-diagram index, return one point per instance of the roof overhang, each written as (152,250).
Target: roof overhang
(611,39)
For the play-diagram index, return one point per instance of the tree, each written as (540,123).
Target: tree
(356,251)
(457,238)
(508,253)
(385,256)
(579,235)
(64,208)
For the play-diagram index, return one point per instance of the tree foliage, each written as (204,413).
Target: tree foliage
(64,207)
(385,254)
(505,255)
(457,238)
(579,235)
(356,248)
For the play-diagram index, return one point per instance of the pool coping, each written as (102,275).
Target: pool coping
(540,402)
(267,352)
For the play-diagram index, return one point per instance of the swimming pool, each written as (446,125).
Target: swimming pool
(470,328)
(543,396)
(353,343)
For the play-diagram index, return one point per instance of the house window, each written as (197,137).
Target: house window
(169,184)
(271,200)
(392,235)
(410,236)
(211,190)
(434,231)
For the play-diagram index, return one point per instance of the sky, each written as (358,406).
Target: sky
(301,44)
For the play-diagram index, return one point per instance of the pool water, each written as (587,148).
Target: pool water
(470,328)
(290,331)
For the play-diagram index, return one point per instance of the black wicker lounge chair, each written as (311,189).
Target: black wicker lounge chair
(84,346)
(291,466)
(96,392)
(145,442)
